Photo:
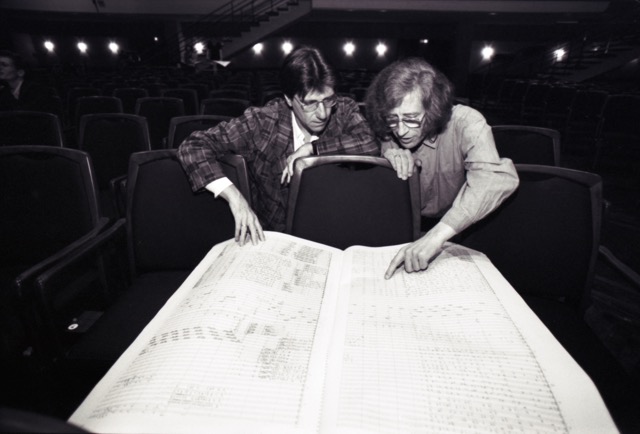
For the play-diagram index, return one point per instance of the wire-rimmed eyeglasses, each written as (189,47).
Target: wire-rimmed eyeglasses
(312,106)
(393,122)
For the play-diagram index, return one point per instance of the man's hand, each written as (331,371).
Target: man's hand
(303,151)
(401,159)
(247,222)
(417,255)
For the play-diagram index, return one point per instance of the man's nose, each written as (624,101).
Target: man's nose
(402,129)
(321,112)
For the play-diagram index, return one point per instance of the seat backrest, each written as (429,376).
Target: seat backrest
(517,93)
(47,200)
(159,111)
(344,200)
(621,115)
(154,89)
(268,95)
(170,227)
(110,139)
(224,106)
(228,93)
(188,96)
(544,238)
(359,93)
(86,105)
(129,96)
(536,95)
(202,89)
(30,128)
(181,126)
(525,144)
(560,99)
(72,96)
(587,105)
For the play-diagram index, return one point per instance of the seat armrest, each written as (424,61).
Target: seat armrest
(91,247)
(623,268)
(118,188)
(21,282)
(83,281)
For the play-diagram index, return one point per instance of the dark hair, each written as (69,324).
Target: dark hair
(17,60)
(400,78)
(305,70)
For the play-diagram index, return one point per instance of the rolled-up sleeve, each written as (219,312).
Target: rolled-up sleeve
(489,178)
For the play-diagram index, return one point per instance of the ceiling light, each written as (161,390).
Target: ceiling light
(487,52)
(349,48)
(114,47)
(287,47)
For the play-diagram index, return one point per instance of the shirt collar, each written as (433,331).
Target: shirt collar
(298,133)
(16,91)
(433,144)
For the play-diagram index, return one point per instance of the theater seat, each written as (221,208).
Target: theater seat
(544,239)
(344,200)
(48,209)
(167,231)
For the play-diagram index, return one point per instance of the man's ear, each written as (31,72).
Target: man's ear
(20,73)
(288,100)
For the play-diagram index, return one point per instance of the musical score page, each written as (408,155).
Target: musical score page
(240,347)
(449,349)
(292,336)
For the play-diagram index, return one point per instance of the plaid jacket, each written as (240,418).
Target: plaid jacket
(264,137)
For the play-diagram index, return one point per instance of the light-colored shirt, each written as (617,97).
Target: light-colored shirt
(217,186)
(462,177)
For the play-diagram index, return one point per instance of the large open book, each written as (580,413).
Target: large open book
(294,336)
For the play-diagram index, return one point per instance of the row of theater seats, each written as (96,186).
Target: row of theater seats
(602,121)
(199,94)
(78,288)
(111,138)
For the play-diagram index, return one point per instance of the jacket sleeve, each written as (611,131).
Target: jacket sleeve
(198,154)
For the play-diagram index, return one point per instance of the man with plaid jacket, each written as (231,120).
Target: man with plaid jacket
(309,120)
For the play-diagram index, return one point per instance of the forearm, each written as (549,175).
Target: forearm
(487,186)
(440,234)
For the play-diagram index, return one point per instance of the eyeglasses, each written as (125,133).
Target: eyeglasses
(394,122)
(313,106)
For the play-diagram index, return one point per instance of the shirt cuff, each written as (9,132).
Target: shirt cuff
(217,186)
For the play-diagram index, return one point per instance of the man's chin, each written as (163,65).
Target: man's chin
(317,129)
(409,145)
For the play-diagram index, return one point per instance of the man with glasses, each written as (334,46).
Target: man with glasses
(410,107)
(310,119)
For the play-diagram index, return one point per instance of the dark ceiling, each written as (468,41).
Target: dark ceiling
(348,23)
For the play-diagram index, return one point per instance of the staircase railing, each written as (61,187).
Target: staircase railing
(242,12)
